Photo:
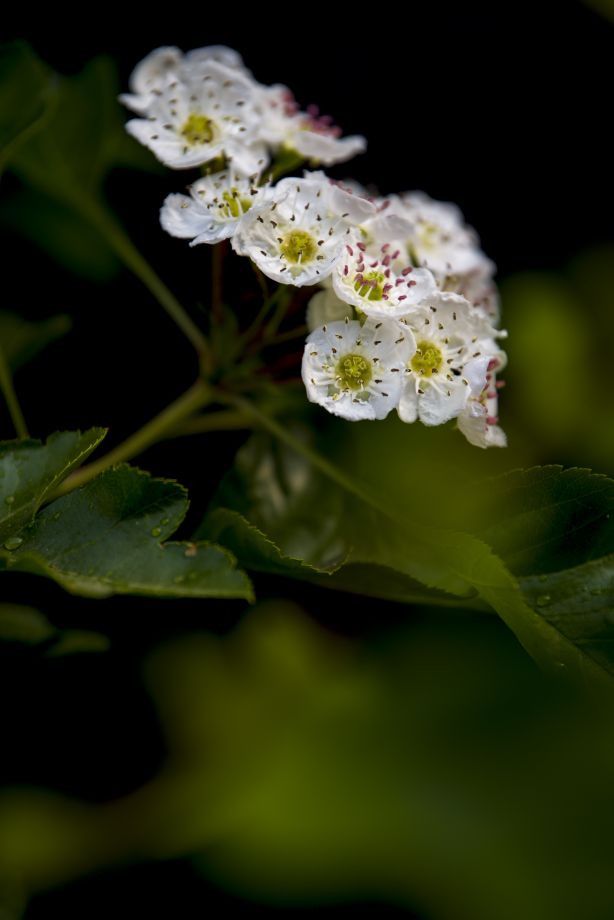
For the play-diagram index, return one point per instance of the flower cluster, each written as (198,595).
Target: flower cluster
(406,313)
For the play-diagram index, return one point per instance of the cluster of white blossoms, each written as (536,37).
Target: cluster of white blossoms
(406,312)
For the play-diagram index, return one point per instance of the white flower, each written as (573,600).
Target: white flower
(161,66)
(325,307)
(479,288)
(202,115)
(478,421)
(455,346)
(213,209)
(439,239)
(371,285)
(356,371)
(149,77)
(297,236)
(310,134)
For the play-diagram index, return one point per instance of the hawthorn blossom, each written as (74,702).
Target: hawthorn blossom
(297,235)
(201,115)
(311,135)
(455,346)
(214,208)
(479,421)
(165,64)
(356,371)
(372,286)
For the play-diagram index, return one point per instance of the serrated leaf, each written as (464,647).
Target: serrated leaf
(31,470)
(26,91)
(375,538)
(547,519)
(21,340)
(111,537)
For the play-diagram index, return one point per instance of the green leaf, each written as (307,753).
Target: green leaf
(31,470)
(29,626)
(26,93)
(21,339)
(280,489)
(83,140)
(547,519)
(110,537)
(61,231)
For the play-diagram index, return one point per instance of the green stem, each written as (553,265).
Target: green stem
(8,391)
(155,430)
(288,336)
(224,420)
(284,296)
(253,329)
(282,433)
(125,249)
(261,281)
(218,253)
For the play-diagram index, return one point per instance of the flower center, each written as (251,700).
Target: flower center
(299,246)
(234,205)
(354,372)
(428,234)
(370,285)
(428,359)
(198,129)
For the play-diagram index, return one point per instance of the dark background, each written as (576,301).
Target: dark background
(504,111)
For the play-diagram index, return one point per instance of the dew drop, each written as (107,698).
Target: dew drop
(156,532)
(165,521)
(543,600)
(9,499)
(13,543)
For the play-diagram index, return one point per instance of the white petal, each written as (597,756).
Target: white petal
(325,307)
(326,149)
(435,406)
(472,423)
(408,403)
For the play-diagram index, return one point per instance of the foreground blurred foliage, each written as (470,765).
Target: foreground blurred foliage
(433,767)
(430,765)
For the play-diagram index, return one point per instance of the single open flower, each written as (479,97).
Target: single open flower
(199,117)
(371,284)
(297,236)
(355,370)
(213,209)
(455,346)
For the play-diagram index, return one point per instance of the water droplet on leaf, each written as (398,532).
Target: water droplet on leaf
(543,600)
(9,499)
(156,532)
(13,543)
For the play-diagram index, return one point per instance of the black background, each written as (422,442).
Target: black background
(503,109)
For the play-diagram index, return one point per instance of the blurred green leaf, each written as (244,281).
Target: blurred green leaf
(31,470)
(295,511)
(434,769)
(110,537)
(63,166)
(82,141)
(65,234)
(19,623)
(26,93)
(21,339)
(29,626)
